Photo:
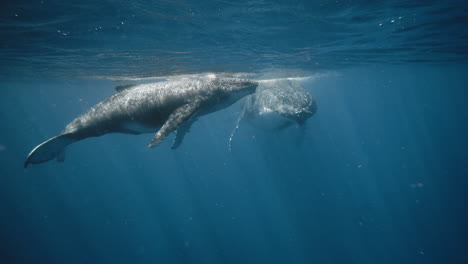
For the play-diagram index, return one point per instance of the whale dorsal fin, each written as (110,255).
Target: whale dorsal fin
(175,120)
(124,87)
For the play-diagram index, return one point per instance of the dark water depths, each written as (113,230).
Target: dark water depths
(378,175)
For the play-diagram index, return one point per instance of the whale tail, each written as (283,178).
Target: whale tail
(53,148)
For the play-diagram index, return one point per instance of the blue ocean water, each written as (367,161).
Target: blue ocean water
(377,175)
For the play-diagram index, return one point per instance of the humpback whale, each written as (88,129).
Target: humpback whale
(165,107)
(278,104)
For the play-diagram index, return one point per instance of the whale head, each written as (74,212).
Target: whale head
(227,91)
(238,88)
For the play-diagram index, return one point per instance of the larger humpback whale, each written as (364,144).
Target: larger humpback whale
(277,104)
(164,107)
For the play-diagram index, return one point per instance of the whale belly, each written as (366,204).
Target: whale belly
(133,127)
(270,121)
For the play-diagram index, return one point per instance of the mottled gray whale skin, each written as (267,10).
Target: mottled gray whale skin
(278,104)
(164,107)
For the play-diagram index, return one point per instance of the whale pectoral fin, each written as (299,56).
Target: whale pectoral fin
(239,119)
(179,116)
(183,129)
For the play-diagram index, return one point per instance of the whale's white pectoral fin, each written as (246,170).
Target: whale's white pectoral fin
(175,120)
(239,119)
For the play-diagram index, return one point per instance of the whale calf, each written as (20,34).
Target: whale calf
(164,107)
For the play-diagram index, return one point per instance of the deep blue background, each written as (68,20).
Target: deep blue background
(378,175)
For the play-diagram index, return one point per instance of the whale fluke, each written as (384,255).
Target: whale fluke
(50,149)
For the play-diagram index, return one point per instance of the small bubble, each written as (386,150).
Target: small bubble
(392,21)
(122,22)
(16,15)
(380,24)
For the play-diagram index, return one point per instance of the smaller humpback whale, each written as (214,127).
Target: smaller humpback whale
(164,107)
